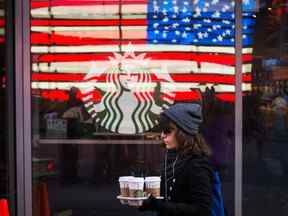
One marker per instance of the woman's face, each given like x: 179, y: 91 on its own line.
x: 168, y: 136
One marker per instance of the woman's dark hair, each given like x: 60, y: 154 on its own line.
x: 187, y: 144
x: 192, y: 144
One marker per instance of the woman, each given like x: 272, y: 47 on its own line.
x: 187, y: 176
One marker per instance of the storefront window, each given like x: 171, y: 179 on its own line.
x: 265, y: 115
x: 102, y: 71
x: 7, y: 146
x: 3, y: 145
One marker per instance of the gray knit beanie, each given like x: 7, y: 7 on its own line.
x: 187, y: 116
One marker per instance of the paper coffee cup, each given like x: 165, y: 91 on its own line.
x: 124, y: 185
x: 136, y: 187
x: 152, y: 185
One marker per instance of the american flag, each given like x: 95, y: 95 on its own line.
x: 194, y: 39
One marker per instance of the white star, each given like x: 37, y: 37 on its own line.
x: 200, y: 35
x: 205, y: 35
x: 187, y: 28
x: 176, y: 9
x: 154, y: 16
x: 166, y: 19
x: 232, y: 39
x: 233, y: 15
x: 156, y: 32
x: 214, y: 40
x: 177, y: 32
x: 174, y: 40
x: 244, y: 36
x: 184, y: 10
x: 245, y: 27
x: 198, y: 10
x: 214, y: 2
x: 186, y: 3
x: 228, y: 31
x: 196, y: 26
x: 155, y: 41
x: 156, y: 9
x: 174, y: 2
x: 207, y: 20
x: 174, y: 16
x: 220, y: 38
x: 205, y: 9
x: 209, y: 29
x: 207, y: 4
x: 130, y: 50
x: 226, y: 7
x: 155, y: 25
x: 164, y: 11
x: 165, y: 3
x: 184, y: 35
x: 226, y: 22
x: 155, y: 2
x: 214, y: 27
x: 166, y: 27
x: 175, y: 25
x: 233, y: 3
x: 233, y: 26
x: 186, y: 20
x: 164, y: 35
x: 216, y: 14
x: 195, y: 40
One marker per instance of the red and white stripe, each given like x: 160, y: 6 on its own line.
x: 68, y: 35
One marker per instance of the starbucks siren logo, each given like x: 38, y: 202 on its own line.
x: 132, y: 93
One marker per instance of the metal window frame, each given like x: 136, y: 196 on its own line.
x: 23, y: 108
x: 238, y: 110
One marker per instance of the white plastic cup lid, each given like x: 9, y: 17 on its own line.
x: 137, y: 179
x: 153, y: 179
x: 125, y: 178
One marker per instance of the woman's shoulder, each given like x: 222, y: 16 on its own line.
x: 200, y: 162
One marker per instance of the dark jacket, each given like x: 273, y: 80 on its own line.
x: 189, y: 192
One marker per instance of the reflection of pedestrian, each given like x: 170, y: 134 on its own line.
x: 279, y: 106
x: 69, y: 152
x: 187, y: 175
x: 219, y: 135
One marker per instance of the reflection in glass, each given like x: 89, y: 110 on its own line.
x: 265, y: 115
x: 102, y: 72
x: 4, y: 146
x: 7, y: 144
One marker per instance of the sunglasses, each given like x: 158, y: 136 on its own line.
x: 167, y: 130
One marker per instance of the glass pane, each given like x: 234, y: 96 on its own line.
x: 7, y: 160
x: 102, y: 71
x: 3, y: 146
x: 265, y: 115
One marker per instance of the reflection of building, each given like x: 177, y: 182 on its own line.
x: 271, y: 63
